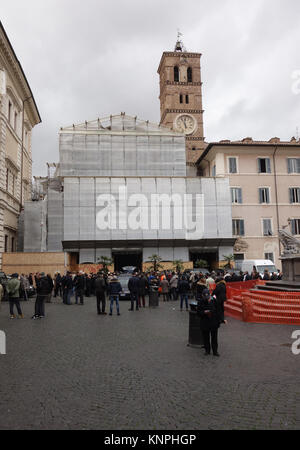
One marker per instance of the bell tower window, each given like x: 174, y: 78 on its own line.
x: 190, y: 75
x: 187, y: 100
x: 181, y: 98
x: 176, y: 73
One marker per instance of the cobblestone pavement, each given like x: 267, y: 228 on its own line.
x: 78, y: 370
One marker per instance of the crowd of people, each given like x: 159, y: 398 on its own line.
x: 209, y: 290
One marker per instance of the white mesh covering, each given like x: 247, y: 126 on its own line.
x: 121, y: 146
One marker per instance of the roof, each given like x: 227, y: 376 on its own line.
x: 118, y: 124
x: 21, y: 73
x: 249, y: 142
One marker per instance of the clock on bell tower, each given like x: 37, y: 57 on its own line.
x: 181, y: 97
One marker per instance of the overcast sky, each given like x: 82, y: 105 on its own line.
x: 92, y: 58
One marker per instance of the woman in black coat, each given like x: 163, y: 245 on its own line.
x: 210, y: 320
x: 220, y: 294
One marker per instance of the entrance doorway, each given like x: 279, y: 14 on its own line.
x: 211, y: 257
x: 124, y: 258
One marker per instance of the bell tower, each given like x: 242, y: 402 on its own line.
x: 181, y: 97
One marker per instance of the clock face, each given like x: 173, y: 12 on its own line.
x: 185, y: 124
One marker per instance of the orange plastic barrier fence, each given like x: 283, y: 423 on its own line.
x: 263, y: 306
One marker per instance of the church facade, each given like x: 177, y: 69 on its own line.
x: 121, y: 190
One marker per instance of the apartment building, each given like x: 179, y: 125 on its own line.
x: 264, y: 180
x: 18, y: 116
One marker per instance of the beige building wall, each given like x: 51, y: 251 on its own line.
x: 254, y: 244
x: 18, y: 116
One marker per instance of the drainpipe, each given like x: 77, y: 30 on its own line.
x: 22, y: 151
x: 276, y: 197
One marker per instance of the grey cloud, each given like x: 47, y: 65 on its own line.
x: 90, y: 59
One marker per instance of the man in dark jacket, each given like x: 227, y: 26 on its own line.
x: 210, y: 319
x: 43, y: 290
x: 79, y: 287
x: 134, y: 287
x: 67, y: 287
x: 183, y: 290
x: 221, y: 296
x: 100, y: 288
x: 143, y: 290
x: 114, y: 289
x: 57, y: 285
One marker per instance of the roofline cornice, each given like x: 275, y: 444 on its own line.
x: 17, y: 71
x: 247, y: 144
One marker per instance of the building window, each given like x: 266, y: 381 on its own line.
x: 194, y: 149
x: 294, y: 195
x: 295, y: 226
x: 176, y: 74
x: 238, y: 227
x: 267, y: 227
x: 264, y: 195
x: 190, y: 75
x: 12, y: 244
x: 264, y: 165
x: 269, y: 256
x: 239, y: 256
x: 214, y: 171
x: 181, y: 98
x: 16, y: 121
x: 9, y: 111
x: 187, y: 100
x: 236, y: 195
x: 6, y: 244
x: 293, y: 165
x: 232, y: 165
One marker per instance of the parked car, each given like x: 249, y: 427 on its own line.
x: 125, y: 294
x: 199, y: 270
x: 31, y: 291
x: 129, y: 269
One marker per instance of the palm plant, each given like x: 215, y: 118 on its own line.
x: 229, y: 261
x: 178, y: 265
x: 105, y: 261
x: 156, y: 260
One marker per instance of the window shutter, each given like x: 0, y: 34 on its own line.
x: 268, y: 165
x: 240, y: 195
x: 290, y: 166
x: 265, y: 227
x: 298, y: 195
x: 293, y: 225
x: 291, y: 195
x: 232, y: 165
x: 259, y: 165
x: 268, y: 195
x: 234, y: 228
x: 298, y: 165
x: 260, y: 195
x: 242, y: 228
